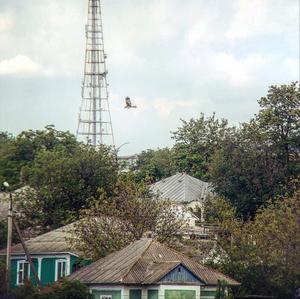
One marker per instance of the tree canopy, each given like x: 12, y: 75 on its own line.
x: 263, y: 253
x: 112, y: 223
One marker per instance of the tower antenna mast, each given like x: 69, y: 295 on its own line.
x: 94, y: 121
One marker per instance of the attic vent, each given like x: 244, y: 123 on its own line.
x: 179, y: 269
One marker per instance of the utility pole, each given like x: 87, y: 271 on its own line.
x: 10, y: 222
x: 94, y: 121
x: 37, y: 279
x: 9, y: 239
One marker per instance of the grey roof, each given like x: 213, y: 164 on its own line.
x: 52, y: 242
x: 144, y: 262
x: 181, y: 187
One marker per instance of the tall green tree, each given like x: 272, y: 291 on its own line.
x: 17, y: 153
x: 63, y: 183
x: 196, y: 141
x: 263, y: 253
x: 261, y: 161
x: 154, y: 165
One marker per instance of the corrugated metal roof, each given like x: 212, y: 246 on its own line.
x: 181, y: 187
x: 143, y: 262
x: 52, y: 242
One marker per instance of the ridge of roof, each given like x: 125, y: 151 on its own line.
x: 181, y: 187
x: 173, y: 265
x: 181, y: 262
x: 124, y: 277
x: 144, y: 262
x: 209, y: 268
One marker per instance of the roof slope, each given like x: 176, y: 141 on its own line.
x: 143, y: 262
x: 181, y: 187
x: 51, y: 242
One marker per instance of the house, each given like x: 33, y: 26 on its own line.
x: 184, y: 190
x: 52, y: 257
x: 147, y: 269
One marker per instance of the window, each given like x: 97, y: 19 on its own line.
x: 105, y: 296
x: 22, y: 272
x: 76, y: 266
x: 61, y: 269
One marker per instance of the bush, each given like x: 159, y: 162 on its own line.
x: 62, y: 290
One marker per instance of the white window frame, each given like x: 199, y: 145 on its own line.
x: 105, y: 297
x: 19, y: 263
x: 56, y: 268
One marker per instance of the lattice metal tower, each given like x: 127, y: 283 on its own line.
x: 94, y: 117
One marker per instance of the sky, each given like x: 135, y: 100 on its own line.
x: 174, y: 58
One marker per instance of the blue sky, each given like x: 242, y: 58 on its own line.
x: 175, y: 58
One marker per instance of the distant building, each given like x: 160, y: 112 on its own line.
x: 184, y: 190
x: 51, y: 254
x: 147, y: 269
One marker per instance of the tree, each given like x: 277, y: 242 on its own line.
x: 264, y: 253
x: 61, y: 290
x: 196, y: 142
x: 19, y: 152
x: 222, y: 291
x: 63, y: 183
x: 279, y: 120
x: 112, y: 223
x: 154, y: 165
x: 261, y: 160
x: 2, y: 276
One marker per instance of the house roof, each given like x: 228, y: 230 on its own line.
x: 181, y: 187
x: 52, y: 242
x: 144, y: 262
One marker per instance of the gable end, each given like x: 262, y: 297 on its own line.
x: 180, y: 274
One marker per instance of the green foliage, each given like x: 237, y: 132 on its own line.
x: 63, y: 183
x: 19, y: 152
x: 261, y: 161
x: 196, y: 142
x: 222, y: 291
x: 154, y: 165
x: 62, y: 290
x: 218, y: 210
x: 264, y: 253
x: 3, y: 235
x: 2, y: 275
x: 70, y: 290
x: 112, y: 223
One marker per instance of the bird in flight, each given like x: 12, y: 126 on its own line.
x: 128, y: 104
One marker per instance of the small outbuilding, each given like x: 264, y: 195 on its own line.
x: 147, y: 269
x: 52, y: 256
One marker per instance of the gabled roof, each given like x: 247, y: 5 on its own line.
x: 52, y: 242
x: 181, y: 187
x: 144, y: 262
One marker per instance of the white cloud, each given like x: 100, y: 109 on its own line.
x: 164, y: 107
x: 260, y: 17
x: 239, y: 72
x: 20, y: 65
